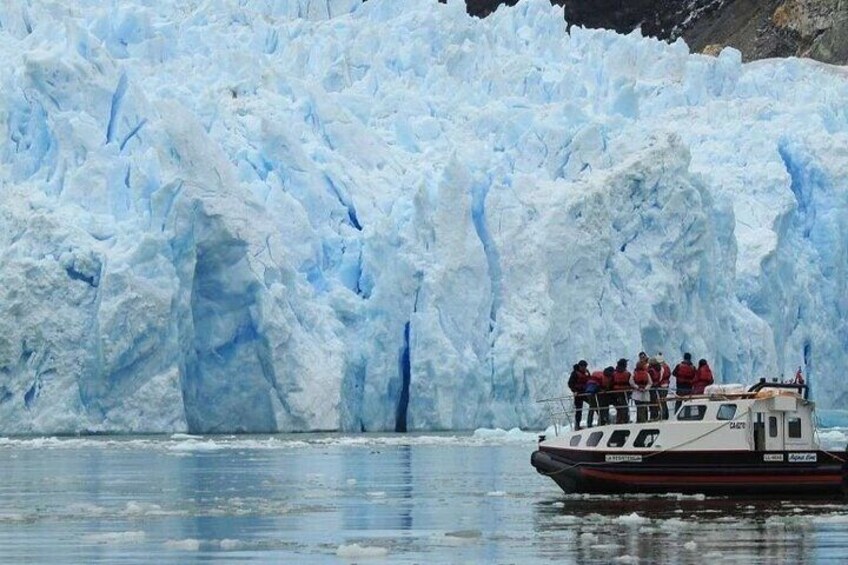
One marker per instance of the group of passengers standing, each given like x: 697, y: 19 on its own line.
x: 647, y: 386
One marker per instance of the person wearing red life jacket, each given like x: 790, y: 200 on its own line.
x: 621, y: 386
x: 685, y: 374
x: 703, y: 377
x: 799, y: 377
x: 661, y: 386
x: 594, y: 387
x: 640, y: 383
x: 577, y: 385
x: 655, y: 371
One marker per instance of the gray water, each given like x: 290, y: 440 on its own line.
x: 367, y: 499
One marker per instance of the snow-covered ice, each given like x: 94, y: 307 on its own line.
x: 290, y: 215
x: 356, y: 551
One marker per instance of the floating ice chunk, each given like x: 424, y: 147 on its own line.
x: 697, y: 496
x: 182, y: 436
x: 514, y: 435
x: 114, y: 538
x: 673, y: 524
x: 195, y: 445
x: 85, y: 509
x: 134, y: 508
x: 230, y: 544
x: 356, y: 551
x: 632, y: 519
x: 690, y: 546
x: 188, y: 544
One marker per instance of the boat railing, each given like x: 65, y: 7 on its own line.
x: 798, y: 387
x: 607, y: 407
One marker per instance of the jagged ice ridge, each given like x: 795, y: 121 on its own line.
x: 294, y: 215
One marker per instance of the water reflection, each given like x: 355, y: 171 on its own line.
x: 677, y: 528
x: 382, y: 479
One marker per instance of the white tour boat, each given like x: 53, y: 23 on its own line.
x: 728, y: 440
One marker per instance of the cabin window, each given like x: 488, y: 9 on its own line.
x: 646, y: 438
x: 594, y: 439
x: 793, y: 427
x: 692, y: 412
x: 575, y: 440
x: 726, y: 412
x: 772, y: 426
x: 618, y: 438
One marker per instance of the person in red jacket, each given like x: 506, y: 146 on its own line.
x: 606, y: 397
x: 594, y: 387
x: 577, y: 384
x: 703, y: 377
x: 685, y: 373
x: 620, y: 386
x: 640, y: 382
x: 662, y: 388
x: 655, y: 372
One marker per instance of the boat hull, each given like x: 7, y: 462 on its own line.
x: 729, y: 472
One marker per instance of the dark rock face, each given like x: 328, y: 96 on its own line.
x: 758, y: 28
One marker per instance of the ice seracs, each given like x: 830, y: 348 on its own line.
x: 300, y: 215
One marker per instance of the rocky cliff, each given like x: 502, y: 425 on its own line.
x: 758, y: 28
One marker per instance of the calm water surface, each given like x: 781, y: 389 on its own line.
x: 368, y: 499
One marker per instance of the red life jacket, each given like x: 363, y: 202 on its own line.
x: 655, y: 371
x: 621, y: 380
x: 597, y: 377
x: 666, y: 375
x: 685, y: 374
x: 607, y: 382
x: 642, y: 378
x: 703, y: 378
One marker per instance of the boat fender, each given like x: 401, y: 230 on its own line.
x: 543, y: 462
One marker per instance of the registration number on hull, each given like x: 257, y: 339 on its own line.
x: 803, y: 457
x: 623, y: 458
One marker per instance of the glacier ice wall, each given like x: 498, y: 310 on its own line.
x: 327, y: 215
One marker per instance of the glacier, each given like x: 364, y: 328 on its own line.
x: 292, y: 215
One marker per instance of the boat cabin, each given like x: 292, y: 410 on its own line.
x: 725, y: 417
